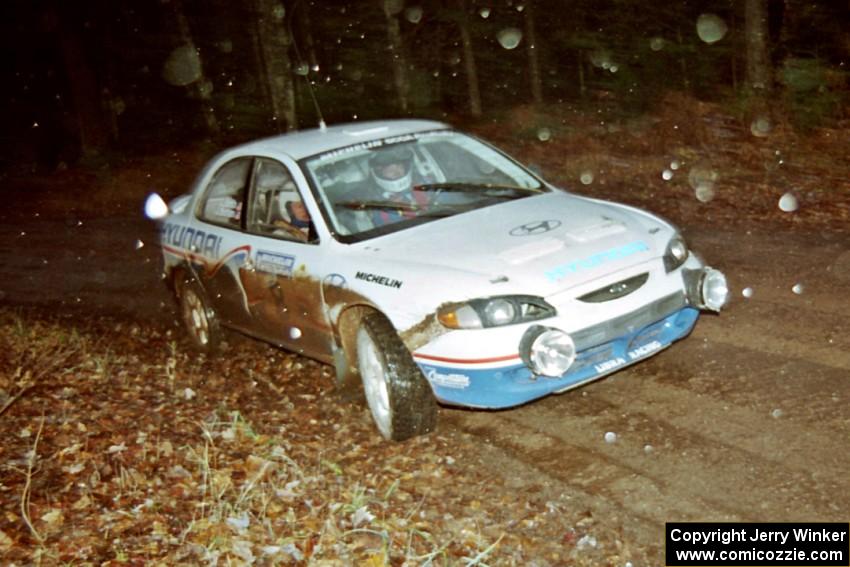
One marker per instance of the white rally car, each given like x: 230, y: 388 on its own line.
x: 427, y: 265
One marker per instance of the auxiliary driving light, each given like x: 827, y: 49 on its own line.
x: 548, y: 352
x: 715, y: 290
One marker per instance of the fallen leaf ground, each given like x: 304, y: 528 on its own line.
x: 123, y: 446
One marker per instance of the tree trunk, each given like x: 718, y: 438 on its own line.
x: 85, y: 91
x: 202, y: 87
x: 469, y: 63
x: 533, y: 60
x: 582, y: 87
x: 759, y: 75
x: 683, y: 60
x: 399, y: 60
x: 274, y: 46
x: 306, y: 28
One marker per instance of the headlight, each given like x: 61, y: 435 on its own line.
x: 715, y: 290
x: 494, y: 312
x: 500, y: 312
x: 706, y: 288
x: 548, y: 352
x: 676, y: 253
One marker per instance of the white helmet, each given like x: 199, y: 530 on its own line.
x: 392, y: 156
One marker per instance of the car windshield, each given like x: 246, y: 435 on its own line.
x: 387, y: 185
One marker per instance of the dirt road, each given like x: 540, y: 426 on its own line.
x: 746, y: 420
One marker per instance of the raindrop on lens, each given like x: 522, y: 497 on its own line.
x: 544, y: 134
x: 586, y: 177
x: 600, y: 58
x: 667, y: 175
x: 777, y: 413
x: 788, y: 203
x: 509, y: 38
x: 798, y: 288
x: 674, y: 165
x: 610, y: 437
x: 295, y: 333
x: 711, y: 28
x: 748, y: 292
x: 656, y: 43
x: 704, y: 193
x: 302, y: 69
x: 183, y: 66
x: 702, y: 178
x: 413, y: 14
x: 760, y: 127
x: 139, y: 244
x: 484, y: 13
x: 393, y: 7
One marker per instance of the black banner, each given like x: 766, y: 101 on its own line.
x: 763, y: 545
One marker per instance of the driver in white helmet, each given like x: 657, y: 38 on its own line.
x: 392, y: 171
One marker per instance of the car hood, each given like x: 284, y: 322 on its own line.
x: 540, y: 244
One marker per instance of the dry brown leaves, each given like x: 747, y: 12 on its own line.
x: 152, y: 454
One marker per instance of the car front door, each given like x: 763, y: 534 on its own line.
x: 282, y: 290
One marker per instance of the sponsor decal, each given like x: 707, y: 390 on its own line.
x: 644, y: 350
x: 372, y: 144
x: 279, y: 264
x: 634, y: 354
x: 381, y: 280
x: 535, y: 227
x: 456, y: 381
x: 560, y: 272
x: 609, y: 365
x: 336, y: 280
x: 196, y: 241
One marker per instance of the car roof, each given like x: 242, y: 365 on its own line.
x: 304, y: 143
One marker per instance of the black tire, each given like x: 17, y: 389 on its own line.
x: 399, y: 396
x: 198, y: 316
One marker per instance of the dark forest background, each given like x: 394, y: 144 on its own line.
x: 91, y: 78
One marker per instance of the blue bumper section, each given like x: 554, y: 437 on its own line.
x: 513, y: 385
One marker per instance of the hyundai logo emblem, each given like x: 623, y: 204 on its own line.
x: 536, y: 227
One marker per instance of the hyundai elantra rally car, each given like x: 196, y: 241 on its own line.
x: 428, y: 266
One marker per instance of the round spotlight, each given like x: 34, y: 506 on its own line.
x: 549, y: 352
x: 715, y: 290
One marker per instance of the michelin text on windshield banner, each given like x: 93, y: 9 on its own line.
x: 809, y: 544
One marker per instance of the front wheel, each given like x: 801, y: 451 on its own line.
x: 198, y: 317
x: 399, y: 396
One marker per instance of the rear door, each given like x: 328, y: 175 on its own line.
x: 220, y: 215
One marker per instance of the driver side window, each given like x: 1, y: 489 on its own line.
x: 276, y: 208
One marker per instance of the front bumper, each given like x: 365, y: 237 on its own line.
x: 514, y: 383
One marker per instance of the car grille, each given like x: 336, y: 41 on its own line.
x: 630, y: 322
x: 615, y: 290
